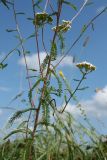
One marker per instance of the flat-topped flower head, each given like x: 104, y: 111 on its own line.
x: 88, y: 67
x: 64, y: 27
x: 42, y: 18
x: 67, y: 22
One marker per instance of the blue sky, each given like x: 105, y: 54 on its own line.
x: 12, y: 78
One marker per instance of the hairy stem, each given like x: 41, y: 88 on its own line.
x: 23, y: 53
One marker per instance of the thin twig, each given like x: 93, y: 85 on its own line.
x: 78, y: 13
x: 23, y: 53
x: 22, y: 48
x: 36, y: 37
x: 43, y: 40
x: 51, y: 7
x: 46, y: 4
x: 10, y: 52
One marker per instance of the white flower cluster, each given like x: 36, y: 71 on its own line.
x: 64, y: 27
x: 42, y: 18
x: 86, y: 65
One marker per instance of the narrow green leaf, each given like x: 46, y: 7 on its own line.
x: 19, y: 52
x: 89, y: 3
x: 65, y: 98
x: 34, y: 86
x: 53, y: 14
x: 84, y: 28
x: 92, y: 26
x: 21, y: 13
x: 31, y: 36
x: 71, y: 5
x: 76, y: 80
x: 29, y: 18
x: 11, y: 30
x: 32, y: 69
x: 16, y: 97
x: 83, y: 88
x: 27, y: 52
x: 37, y: 3
x: 2, y: 66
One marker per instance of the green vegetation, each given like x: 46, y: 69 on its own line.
x: 47, y: 131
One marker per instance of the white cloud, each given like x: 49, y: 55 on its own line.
x: 100, y: 9
x: 67, y: 61
x: 0, y: 111
x: 4, y: 89
x: 32, y: 60
x: 73, y: 109
x: 96, y: 106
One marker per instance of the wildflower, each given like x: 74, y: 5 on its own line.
x: 42, y: 18
x: 64, y: 27
x: 61, y: 74
x: 86, y: 66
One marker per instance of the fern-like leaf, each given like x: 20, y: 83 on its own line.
x: 53, y: 51
x: 16, y: 131
x: 34, y: 86
x: 59, y: 90
x: 18, y: 114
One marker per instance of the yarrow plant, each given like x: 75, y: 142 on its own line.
x: 47, y: 130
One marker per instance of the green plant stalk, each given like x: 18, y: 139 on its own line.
x: 45, y: 81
